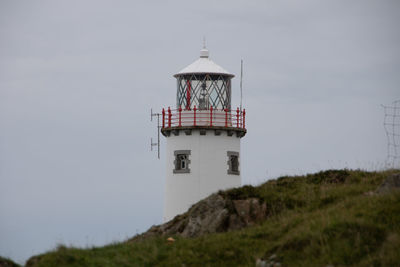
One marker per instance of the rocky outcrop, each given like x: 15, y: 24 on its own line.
x: 216, y: 213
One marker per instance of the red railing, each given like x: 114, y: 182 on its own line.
x: 211, y: 117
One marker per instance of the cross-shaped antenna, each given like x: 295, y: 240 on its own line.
x: 158, y: 132
x: 152, y: 144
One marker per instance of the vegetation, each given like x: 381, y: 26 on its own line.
x: 5, y: 262
x: 331, y: 217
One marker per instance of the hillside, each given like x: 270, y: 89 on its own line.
x: 331, y: 218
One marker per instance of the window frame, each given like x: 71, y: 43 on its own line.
x: 231, y: 155
x: 177, y: 154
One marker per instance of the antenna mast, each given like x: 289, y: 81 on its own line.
x: 158, y: 133
x: 241, y: 83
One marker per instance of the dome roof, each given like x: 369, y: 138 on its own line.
x: 204, y: 65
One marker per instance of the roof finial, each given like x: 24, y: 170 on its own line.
x: 204, y: 51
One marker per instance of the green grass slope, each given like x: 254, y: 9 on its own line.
x: 6, y: 262
x: 319, y: 219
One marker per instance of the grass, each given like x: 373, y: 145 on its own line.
x: 6, y: 262
x: 314, y: 220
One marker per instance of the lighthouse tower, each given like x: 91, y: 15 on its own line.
x: 202, y: 135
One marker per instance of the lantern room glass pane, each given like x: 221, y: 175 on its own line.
x: 204, y: 91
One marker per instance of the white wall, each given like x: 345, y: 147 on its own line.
x: 208, y: 169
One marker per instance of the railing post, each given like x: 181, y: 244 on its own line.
x: 226, y: 117
x: 180, y: 116
x: 163, y: 118
x: 188, y: 90
x: 194, y: 116
x: 211, y: 109
x: 244, y: 118
x: 237, y: 117
x: 169, y: 117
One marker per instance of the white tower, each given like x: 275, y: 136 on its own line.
x: 203, y: 136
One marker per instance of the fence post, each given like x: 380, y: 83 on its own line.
x: 237, y: 117
x: 169, y: 117
x: 211, y: 109
x: 244, y: 118
x: 163, y: 118
x: 180, y: 116
x: 194, y: 115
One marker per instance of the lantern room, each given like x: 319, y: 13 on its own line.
x: 203, y: 84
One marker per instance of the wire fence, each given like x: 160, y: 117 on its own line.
x: 391, y: 123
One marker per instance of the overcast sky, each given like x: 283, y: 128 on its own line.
x: 78, y: 79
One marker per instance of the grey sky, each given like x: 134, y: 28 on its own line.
x: 78, y: 79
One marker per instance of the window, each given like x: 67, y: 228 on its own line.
x: 233, y: 162
x: 181, y: 161
x: 203, y: 91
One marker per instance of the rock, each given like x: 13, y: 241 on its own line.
x: 250, y: 210
x: 216, y: 213
x: 390, y: 184
x: 369, y: 193
x: 208, y: 216
x: 271, y: 262
x: 261, y: 263
x: 235, y: 222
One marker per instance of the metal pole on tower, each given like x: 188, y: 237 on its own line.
x: 241, y: 83
x: 158, y: 131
